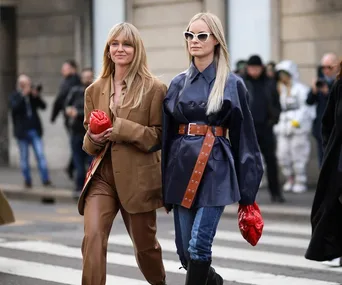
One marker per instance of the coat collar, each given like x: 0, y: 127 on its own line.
x: 209, y: 73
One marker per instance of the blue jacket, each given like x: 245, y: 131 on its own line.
x: 234, y: 169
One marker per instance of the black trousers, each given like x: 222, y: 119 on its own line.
x: 267, y: 143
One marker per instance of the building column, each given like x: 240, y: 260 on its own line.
x: 8, y: 59
x: 106, y: 13
x: 275, y: 26
x: 249, y: 29
x: 217, y: 7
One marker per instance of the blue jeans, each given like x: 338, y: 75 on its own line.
x: 195, y: 231
x: 81, y: 160
x: 32, y: 138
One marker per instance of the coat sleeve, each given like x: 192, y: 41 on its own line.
x: 312, y: 98
x: 146, y: 138
x: 17, y: 103
x: 275, y: 104
x: 165, y: 151
x: 38, y: 102
x: 328, y: 119
x: 89, y: 145
x: 59, y: 102
x: 245, y: 148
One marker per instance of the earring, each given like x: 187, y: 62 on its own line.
x: 108, y: 54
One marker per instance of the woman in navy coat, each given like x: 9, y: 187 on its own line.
x: 210, y: 155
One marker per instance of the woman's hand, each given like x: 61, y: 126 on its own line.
x: 100, y: 138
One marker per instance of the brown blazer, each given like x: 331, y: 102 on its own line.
x: 136, y: 163
x: 6, y: 213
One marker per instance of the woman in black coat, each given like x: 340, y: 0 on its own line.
x: 326, y: 216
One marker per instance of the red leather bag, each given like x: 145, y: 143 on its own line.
x: 251, y: 223
x: 99, y: 121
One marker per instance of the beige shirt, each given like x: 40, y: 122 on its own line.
x: 113, y: 106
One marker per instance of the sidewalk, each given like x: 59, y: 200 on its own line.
x: 297, y: 206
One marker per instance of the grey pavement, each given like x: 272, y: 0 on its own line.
x: 43, y: 247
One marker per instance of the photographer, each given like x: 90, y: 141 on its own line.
x: 24, y: 104
x: 318, y: 95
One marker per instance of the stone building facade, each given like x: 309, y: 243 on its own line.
x: 38, y: 35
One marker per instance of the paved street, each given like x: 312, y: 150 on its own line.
x: 43, y: 247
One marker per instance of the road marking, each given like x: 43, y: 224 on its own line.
x: 240, y: 254
x: 52, y: 273
x: 66, y: 211
x: 51, y: 218
x: 264, y: 240
x: 278, y: 209
x: 234, y: 275
x: 20, y: 223
x: 288, y: 228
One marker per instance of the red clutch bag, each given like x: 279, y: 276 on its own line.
x: 251, y: 223
x: 99, y: 122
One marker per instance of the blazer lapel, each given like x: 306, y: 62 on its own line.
x: 105, y: 97
x: 124, y: 112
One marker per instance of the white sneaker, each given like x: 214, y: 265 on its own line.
x: 299, y: 188
x: 337, y: 262
x: 288, y: 185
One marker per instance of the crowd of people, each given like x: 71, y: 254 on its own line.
x: 286, y: 113
x: 192, y: 148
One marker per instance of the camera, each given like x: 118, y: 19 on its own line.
x: 38, y: 87
x: 320, y: 83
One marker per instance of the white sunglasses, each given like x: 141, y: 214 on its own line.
x: 202, y: 37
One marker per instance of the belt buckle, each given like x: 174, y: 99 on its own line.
x: 189, y: 126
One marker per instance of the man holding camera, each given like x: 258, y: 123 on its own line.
x: 319, y: 94
x: 24, y: 103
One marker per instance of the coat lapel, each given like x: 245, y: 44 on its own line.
x: 124, y: 112
x: 105, y: 97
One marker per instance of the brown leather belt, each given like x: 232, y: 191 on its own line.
x: 210, y: 132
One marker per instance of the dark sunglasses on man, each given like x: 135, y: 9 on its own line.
x: 326, y: 67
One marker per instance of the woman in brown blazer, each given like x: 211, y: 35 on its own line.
x: 125, y: 175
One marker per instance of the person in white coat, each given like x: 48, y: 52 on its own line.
x: 293, y: 128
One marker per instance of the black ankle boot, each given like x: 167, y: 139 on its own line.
x: 214, y: 278
x: 197, y: 273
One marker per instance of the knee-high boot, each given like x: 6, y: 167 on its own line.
x: 197, y: 273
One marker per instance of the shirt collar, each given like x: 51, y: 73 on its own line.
x: 209, y: 73
x: 112, y: 88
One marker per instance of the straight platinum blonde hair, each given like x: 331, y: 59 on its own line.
x: 138, y: 78
x: 221, y: 57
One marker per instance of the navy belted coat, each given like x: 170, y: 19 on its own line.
x: 234, y: 169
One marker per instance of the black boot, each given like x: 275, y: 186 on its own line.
x: 214, y: 278
x: 197, y: 273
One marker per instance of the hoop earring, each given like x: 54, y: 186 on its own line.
x: 108, y: 54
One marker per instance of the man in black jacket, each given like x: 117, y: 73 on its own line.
x: 74, y: 110
x: 71, y: 79
x: 24, y: 103
x: 265, y: 108
x: 319, y: 95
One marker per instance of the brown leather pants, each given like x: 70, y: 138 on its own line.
x: 101, y: 206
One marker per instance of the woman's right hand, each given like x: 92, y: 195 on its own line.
x: 100, y: 138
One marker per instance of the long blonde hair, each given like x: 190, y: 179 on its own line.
x: 138, y: 78
x: 221, y: 57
